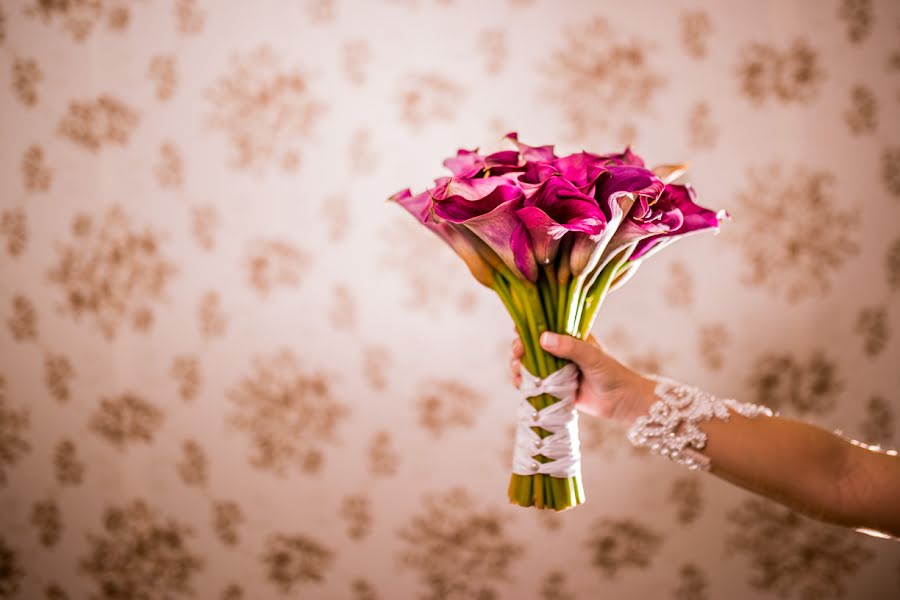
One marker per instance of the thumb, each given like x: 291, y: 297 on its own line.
x: 579, y: 352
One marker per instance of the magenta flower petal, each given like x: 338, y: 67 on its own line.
x: 487, y: 207
x: 632, y: 229
x: 497, y: 229
x: 567, y: 205
x: 581, y: 169
x: 418, y: 206
x: 505, y: 161
x: 643, y: 247
x: 645, y: 186
x: 467, y: 249
x: 469, y: 163
x: 470, y: 189
x: 694, y: 218
x: 621, y: 190
x: 554, y: 209
x: 472, y: 251
x: 545, y: 233
x: 535, y: 173
x: 587, y: 251
x: 465, y: 201
x: 523, y: 253
x: 531, y: 153
x: 624, y: 158
x: 466, y: 163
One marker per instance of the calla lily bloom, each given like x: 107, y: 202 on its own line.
x: 555, y: 209
x: 694, y: 219
x: 470, y: 250
x: 620, y: 190
x: 487, y: 207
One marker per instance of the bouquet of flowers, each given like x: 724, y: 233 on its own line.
x: 552, y: 236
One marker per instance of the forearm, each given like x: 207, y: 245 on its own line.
x: 814, y: 471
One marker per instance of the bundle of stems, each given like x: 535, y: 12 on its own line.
x: 560, y: 303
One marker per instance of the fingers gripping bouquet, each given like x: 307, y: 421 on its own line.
x: 552, y: 236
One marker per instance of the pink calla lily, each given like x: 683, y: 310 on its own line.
x: 694, y: 219
x: 458, y: 200
x: 487, y: 207
x: 556, y: 208
x: 620, y: 190
x: 503, y: 231
x: 456, y: 237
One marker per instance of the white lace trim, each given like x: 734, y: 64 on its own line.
x: 671, y: 429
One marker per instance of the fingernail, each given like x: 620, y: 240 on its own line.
x: 548, y: 340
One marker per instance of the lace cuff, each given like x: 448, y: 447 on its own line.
x: 670, y: 427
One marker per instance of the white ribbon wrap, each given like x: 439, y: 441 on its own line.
x: 560, y: 418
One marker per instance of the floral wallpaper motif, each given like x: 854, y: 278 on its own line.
x: 13, y: 425
x: 692, y: 584
x: 126, y: 419
x: 288, y: 413
x: 110, y: 271
x: 879, y: 425
x: 790, y: 74
x: 295, y: 560
x: 37, y: 175
x: 862, y: 114
x: 25, y: 79
x: 80, y: 17
x: 68, y: 467
x: 264, y: 108
x: 791, y: 222
x: 93, y: 124
x: 792, y: 555
x: 601, y: 66
x: 619, y: 544
x: 459, y: 547
x: 11, y: 571
x: 786, y: 383
x: 230, y: 370
x: 14, y: 228
x: 141, y: 553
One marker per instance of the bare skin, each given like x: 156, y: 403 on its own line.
x: 818, y: 473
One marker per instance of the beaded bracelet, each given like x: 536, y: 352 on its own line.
x: 670, y: 427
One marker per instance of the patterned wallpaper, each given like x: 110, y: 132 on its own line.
x: 231, y: 371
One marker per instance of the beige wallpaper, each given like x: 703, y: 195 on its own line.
x: 231, y: 371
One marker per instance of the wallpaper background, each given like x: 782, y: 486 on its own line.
x: 231, y: 371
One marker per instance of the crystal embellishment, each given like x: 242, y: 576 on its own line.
x: 671, y: 429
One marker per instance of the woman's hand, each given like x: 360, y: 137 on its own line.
x: 607, y: 388
x: 812, y: 470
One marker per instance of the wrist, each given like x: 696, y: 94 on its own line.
x: 642, y: 394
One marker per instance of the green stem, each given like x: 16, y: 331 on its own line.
x: 514, y: 309
x: 561, y: 306
x: 572, y: 303
x: 540, y: 324
x: 597, y: 293
x: 546, y: 297
x: 527, y: 295
x: 550, y: 272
